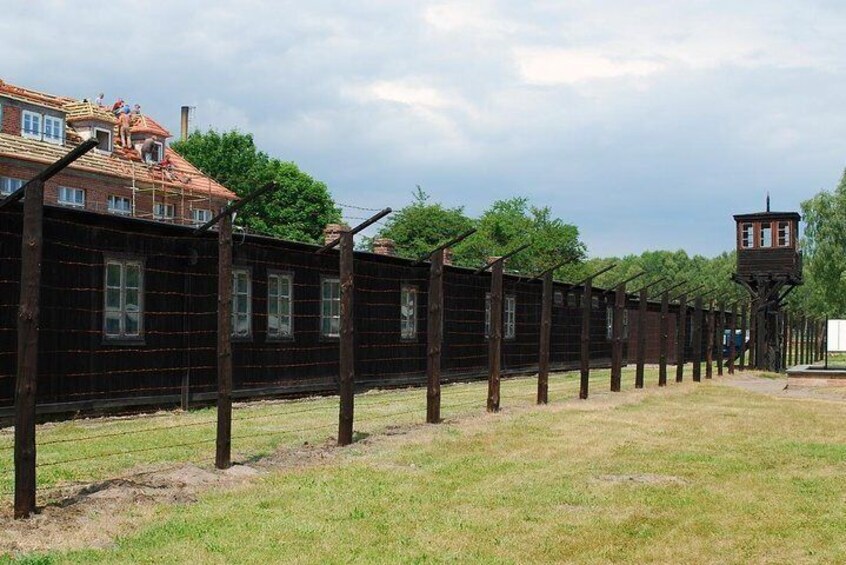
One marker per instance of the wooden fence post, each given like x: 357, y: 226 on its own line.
x: 682, y: 337
x: 696, y: 339
x: 27, y: 368
x: 785, y: 336
x: 709, y: 340
x: 347, y: 344
x: 719, y: 332
x: 664, y: 345
x: 434, y: 337
x: 743, y: 341
x: 617, y: 338
x: 495, y: 337
x: 224, y: 344
x: 641, y: 336
x: 545, y: 336
x: 732, y: 349
x: 801, y: 344
x: 587, y: 300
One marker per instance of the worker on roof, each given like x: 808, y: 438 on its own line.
x: 147, y: 150
x: 116, y: 107
x: 100, y: 99
x: 124, y: 123
x: 136, y: 110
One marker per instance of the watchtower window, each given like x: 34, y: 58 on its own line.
x: 766, y: 239
x: 746, y: 236
x: 784, y: 234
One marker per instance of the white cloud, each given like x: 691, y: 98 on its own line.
x: 547, y: 66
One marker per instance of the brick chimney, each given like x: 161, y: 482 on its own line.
x: 448, y: 256
x: 333, y: 231
x: 384, y: 246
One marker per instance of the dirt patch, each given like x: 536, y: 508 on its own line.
x: 784, y: 387
x: 641, y: 479
x: 93, y: 515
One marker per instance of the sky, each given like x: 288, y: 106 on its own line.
x: 646, y: 124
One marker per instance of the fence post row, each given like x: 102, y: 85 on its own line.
x: 665, y: 338
x: 346, y: 361
x: 732, y: 349
x: 696, y: 338
x: 584, y: 341
x: 617, y: 337
x: 546, y: 328
x: 545, y: 336
x: 435, y: 325
x: 434, y: 333
x: 681, y: 332
x: 495, y: 336
x: 223, y: 442
x: 26, y: 372
x: 642, y: 307
x: 709, y: 340
x: 719, y: 332
x: 346, y: 342
x: 743, y: 341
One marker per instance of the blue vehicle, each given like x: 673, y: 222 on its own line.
x: 738, y: 341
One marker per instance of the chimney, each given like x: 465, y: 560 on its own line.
x: 384, y: 246
x: 333, y: 231
x: 186, y: 112
x: 448, y: 256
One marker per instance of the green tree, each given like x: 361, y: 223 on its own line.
x: 298, y: 210
x: 824, y: 247
x: 510, y: 223
x: 422, y: 225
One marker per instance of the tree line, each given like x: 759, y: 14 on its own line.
x: 302, y: 207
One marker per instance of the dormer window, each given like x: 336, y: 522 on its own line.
x: 42, y: 127
x: 31, y: 126
x: 104, y: 140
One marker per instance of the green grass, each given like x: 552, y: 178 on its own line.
x: 750, y: 479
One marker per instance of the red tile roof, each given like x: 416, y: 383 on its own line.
x: 33, y: 96
x: 124, y: 163
x: 146, y: 124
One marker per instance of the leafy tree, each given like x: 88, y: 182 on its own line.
x: 299, y: 209
x: 510, y: 223
x: 421, y: 226
x: 824, y: 290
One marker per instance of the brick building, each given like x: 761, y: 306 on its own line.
x: 37, y: 129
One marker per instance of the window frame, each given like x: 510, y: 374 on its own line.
x: 414, y: 291
x: 30, y: 114
x: 123, y: 261
x: 761, y: 230
x: 747, y: 242
x: 60, y: 140
x: 323, y: 281
x: 7, y: 182
x: 279, y: 336
x: 787, y: 233
x: 116, y: 211
x: 110, y: 144
x: 67, y: 203
x: 197, y: 221
x: 164, y: 217
x: 237, y: 270
x: 509, y: 327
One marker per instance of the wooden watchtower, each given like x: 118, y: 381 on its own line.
x: 769, y: 266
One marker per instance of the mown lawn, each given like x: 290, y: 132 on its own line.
x: 688, y: 474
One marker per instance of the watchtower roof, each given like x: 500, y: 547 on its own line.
x: 763, y: 216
